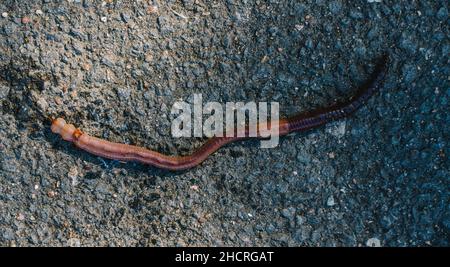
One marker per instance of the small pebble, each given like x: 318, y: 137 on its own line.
x: 152, y: 9
x: 194, y: 187
x: 42, y: 104
x: 125, y: 17
x: 442, y: 14
x: 20, y: 217
x: 74, y: 242
x: 337, y: 129
x: 373, y: 242
x: 299, y: 27
x: 288, y: 213
x: 26, y: 20
x: 4, y: 91
x: 335, y: 7
x: 51, y: 194
x: 5, y: 14
x: 73, y: 174
x: 104, y: 19
x: 39, y: 12
x: 330, y: 201
x: 299, y: 220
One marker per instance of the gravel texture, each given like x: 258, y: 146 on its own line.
x: 114, y: 69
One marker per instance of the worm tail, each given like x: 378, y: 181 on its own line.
x: 319, y: 117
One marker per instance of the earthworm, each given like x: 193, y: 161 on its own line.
x: 300, y: 122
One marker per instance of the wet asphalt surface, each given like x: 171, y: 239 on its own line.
x: 380, y: 177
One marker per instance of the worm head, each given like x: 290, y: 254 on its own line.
x: 59, y: 126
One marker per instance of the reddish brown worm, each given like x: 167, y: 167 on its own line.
x: 300, y: 122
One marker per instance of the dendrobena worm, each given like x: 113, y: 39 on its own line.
x: 300, y: 122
